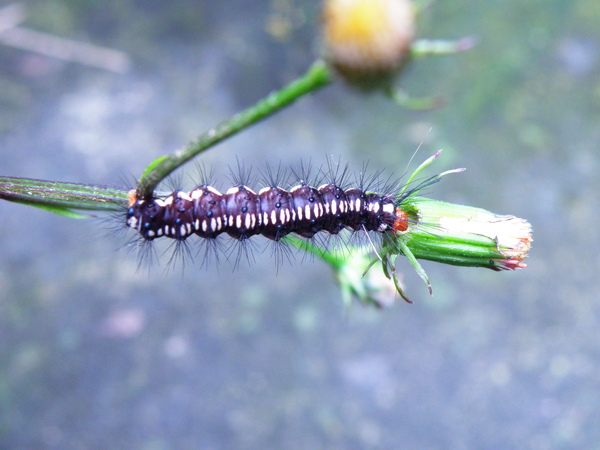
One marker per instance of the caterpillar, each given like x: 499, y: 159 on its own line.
x: 273, y: 212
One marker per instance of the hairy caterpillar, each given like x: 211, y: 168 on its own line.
x: 273, y: 212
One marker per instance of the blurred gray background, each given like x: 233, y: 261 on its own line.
x: 94, y: 353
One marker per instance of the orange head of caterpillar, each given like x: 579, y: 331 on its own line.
x: 132, y: 197
x: 401, y: 222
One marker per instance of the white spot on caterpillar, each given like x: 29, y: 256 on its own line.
x: 282, y: 216
x: 265, y: 218
x: 196, y: 194
x: 333, y: 207
x: 213, y: 224
x: 238, y: 222
x: 274, y: 217
x: 389, y: 208
x: 307, y: 212
x: 204, y: 226
x: 150, y: 233
x: 232, y: 191
x: 132, y: 222
x: 299, y: 212
x: 358, y: 204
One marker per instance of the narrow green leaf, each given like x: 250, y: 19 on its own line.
x: 61, y: 197
x: 62, y: 211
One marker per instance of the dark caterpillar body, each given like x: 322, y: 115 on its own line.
x: 273, y: 212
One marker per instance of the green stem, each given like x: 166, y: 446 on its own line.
x: 317, y: 76
x: 330, y: 257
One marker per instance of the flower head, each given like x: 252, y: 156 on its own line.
x: 368, y: 40
x: 466, y: 236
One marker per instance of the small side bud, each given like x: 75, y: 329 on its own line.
x: 351, y: 271
x: 357, y: 281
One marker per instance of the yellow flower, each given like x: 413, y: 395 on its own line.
x: 367, y: 39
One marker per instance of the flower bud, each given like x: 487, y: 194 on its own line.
x: 367, y: 41
x: 465, y: 236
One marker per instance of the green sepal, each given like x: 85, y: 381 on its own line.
x: 414, y: 263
